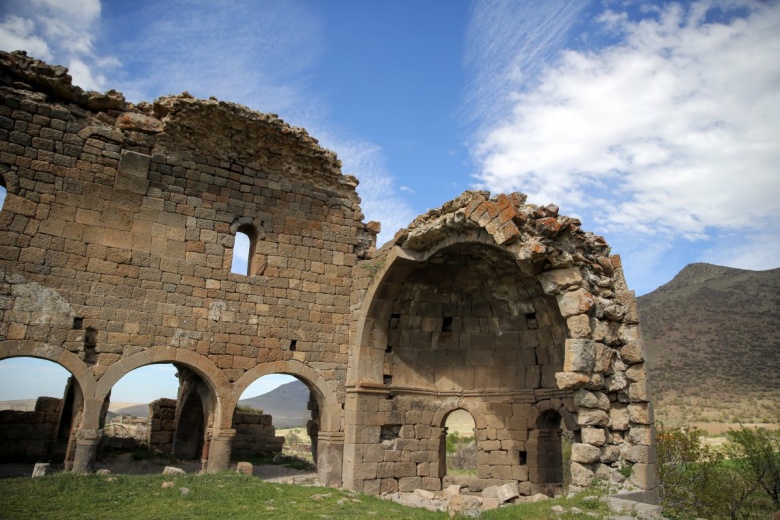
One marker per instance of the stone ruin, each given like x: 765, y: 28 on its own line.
x: 116, y: 242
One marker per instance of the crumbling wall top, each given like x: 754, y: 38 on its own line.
x: 183, y: 123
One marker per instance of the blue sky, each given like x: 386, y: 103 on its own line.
x: 655, y: 123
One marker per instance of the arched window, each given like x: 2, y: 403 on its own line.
x: 244, y: 251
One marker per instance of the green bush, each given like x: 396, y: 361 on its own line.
x: 694, y: 480
x: 756, y: 454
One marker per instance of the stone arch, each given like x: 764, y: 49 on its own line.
x: 201, y: 365
x: 500, y: 285
x: 440, y: 416
x: 330, y: 408
x: 66, y: 359
x: 69, y: 413
x: 329, y: 438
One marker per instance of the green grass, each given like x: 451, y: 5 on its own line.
x: 223, y: 495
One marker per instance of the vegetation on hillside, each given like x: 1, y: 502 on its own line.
x: 712, y: 338
x: 697, y: 481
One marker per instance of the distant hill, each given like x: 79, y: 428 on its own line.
x: 287, y: 404
x: 712, y: 337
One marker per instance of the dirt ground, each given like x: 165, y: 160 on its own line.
x: 124, y: 464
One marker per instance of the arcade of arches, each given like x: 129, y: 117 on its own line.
x: 116, y: 246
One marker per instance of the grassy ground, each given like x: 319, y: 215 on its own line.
x: 225, y: 495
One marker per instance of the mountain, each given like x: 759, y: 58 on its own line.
x: 287, y: 404
x: 712, y: 339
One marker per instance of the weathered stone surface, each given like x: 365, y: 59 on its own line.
x: 594, y: 436
x: 559, y: 280
x: 581, y: 475
x: 640, y: 413
x: 120, y: 226
x: 586, y: 399
x: 40, y: 469
x: 244, y: 468
x: 575, y: 302
x: 507, y: 492
x: 590, y: 417
x: 464, y: 505
x: 619, y: 417
x: 171, y: 470
x: 580, y: 355
x: 571, y: 380
x: 585, y: 453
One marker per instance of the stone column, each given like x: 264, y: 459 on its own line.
x: 219, y: 450
x: 330, y: 454
x: 87, y: 441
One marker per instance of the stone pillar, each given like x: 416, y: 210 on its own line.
x: 330, y: 454
x: 87, y: 441
x: 219, y: 450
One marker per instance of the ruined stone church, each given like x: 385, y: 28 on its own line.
x: 116, y: 242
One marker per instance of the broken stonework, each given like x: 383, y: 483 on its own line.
x: 119, y: 232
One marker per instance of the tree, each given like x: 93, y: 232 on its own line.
x: 757, y: 454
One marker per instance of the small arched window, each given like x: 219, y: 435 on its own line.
x: 244, y: 251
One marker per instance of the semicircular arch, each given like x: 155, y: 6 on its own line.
x: 66, y: 359
x: 440, y: 416
x: 330, y: 408
x: 201, y: 365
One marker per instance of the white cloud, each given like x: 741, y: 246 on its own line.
x: 60, y: 33
x: 17, y: 33
x: 509, y: 43
x: 379, y: 199
x: 675, y: 130
x: 407, y: 189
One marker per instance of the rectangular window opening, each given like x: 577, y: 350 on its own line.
x: 446, y: 324
x: 387, y: 379
x: 389, y: 349
x: 394, y: 319
x: 78, y: 323
x: 293, y: 344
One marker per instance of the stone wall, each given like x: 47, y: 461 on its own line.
x: 116, y: 244
x: 255, y: 435
x: 162, y: 426
x: 30, y: 436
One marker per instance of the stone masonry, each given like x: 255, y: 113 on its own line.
x: 116, y: 243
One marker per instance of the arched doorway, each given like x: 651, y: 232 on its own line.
x: 458, y: 449
x: 323, y: 412
x: 40, y: 404
x: 545, y: 443
x: 277, y: 419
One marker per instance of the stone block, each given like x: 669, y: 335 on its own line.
x: 558, y: 280
x: 585, y: 453
x: 640, y: 435
x: 507, y: 492
x: 409, y: 484
x: 575, y: 302
x: 581, y: 475
x: 580, y: 355
x: 588, y: 417
x: 644, y: 476
x: 244, y: 468
x: 593, y: 436
x: 640, y: 413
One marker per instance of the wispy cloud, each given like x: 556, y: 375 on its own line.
x: 59, y: 32
x: 672, y: 131
x: 380, y: 199
x: 509, y: 43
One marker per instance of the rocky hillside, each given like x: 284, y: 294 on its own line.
x: 287, y: 404
x: 712, y: 337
